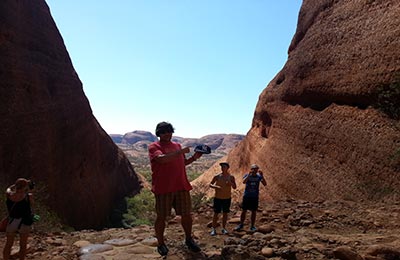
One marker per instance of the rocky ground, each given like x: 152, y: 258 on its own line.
x: 286, y: 230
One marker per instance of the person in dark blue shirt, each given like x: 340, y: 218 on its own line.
x: 251, y: 195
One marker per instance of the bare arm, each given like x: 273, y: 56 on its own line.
x: 167, y: 157
x: 10, y: 189
x: 31, y: 200
x: 212, y: 184
x: 194, y: 157
x: 263, y: 181
x: 246, y: 178
x: 233, y: 182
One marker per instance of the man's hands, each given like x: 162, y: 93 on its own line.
x: 215, y: 186
x: 197, y: 155
x: 193, y: 158
x: 263, y: 181
x: 185, y: 150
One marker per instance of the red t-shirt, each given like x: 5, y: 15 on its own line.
x: 170, y: 176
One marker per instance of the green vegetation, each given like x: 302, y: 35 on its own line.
x: 49, y: 220
x: 395, y: 159
x: 388, y: 98
x: 376, y: 190
x: 388, y: 102
x: 198, y: 195
x: 140, y: 209
x: 192, y: 175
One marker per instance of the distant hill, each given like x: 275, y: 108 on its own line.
x: 139, y: 140
x: 135, y: 144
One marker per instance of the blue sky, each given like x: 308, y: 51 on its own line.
x: 199, y: 65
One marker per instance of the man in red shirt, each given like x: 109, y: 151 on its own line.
x: 170, y: 184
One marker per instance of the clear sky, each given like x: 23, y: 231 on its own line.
x: 198, y: 64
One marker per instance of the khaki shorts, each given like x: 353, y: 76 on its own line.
x: 15, y: 225
x: 179, y: 200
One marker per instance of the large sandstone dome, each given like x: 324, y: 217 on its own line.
x: 47, y: 129
x: 318, y: 131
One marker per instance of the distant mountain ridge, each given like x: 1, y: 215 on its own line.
x: 135, y: 146
x: 140, y: 139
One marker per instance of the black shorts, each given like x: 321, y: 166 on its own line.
x: 222, y: 205
x: 250, y: 204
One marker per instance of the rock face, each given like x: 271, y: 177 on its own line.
x: 48, y: 132
x: 317, y: 131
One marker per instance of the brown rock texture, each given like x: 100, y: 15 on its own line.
x: 47, y: 129
x: 317, y: 132
x: 303, y: 230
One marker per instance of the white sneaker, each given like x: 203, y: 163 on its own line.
x: 224, y: 231
x: 213, y: 232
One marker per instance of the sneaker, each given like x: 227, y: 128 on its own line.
x: 253, y: 228
x: 224, y: 231
x: 213, y: 232
x: 192, y: 245
x: 238, y: 227
x: 162, y: 250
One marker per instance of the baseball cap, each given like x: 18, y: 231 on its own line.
x: 254, y: 166
x: 203, y: 148
x: 224, y: 163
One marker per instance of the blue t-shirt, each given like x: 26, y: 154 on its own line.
x: 252, y: 186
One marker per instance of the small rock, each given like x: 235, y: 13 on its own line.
x: 383, y: 250
x: 94, y: 248
x: 81, y: 243
x: 150, y: 241
x: 119, y: 242
x: 266, y: 229
x: 346, y: 253
x: 267, y: 252
x: 234, y: 220
x: 140, y: 249
x: 91, y: 257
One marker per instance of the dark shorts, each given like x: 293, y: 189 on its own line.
x: 222, y: 205
x: 15, y: 225
x: 250, y: 204
x: 179, y: 200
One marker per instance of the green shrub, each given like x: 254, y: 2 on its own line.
x: 192, y: 175
x: 199, y: 195
x: 145, y: 172
x: 395, y: 159
x: 140, y: 209
x: 388, y: 98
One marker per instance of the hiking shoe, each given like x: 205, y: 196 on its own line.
x: 162, y: 250
x: 238, y: 227
x: 224, y: 231
x: 192, y: 245
x: 213, y: 232
x: 253, y: 228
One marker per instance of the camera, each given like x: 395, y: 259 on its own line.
x: 31, y: 185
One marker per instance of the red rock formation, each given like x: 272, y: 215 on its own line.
x: 47, y: 129
x: 316, y: 131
